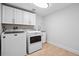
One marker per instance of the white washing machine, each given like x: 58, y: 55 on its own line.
x: 13, y: 43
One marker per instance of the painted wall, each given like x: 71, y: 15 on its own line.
x: 39, y: 22
x: 62, y: 27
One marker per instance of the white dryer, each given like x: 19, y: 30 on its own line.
x: 34, y: 40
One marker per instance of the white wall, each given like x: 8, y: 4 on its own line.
x: 39, y: 22
x: 63, y: 27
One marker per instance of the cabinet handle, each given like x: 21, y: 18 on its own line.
x: 15, y: 35
x: 4, y: 37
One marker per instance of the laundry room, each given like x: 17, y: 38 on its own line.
x: 39, y: 29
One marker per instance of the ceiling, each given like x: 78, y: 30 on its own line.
x: 41, y: 11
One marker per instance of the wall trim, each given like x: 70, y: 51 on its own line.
x: 64, y: 47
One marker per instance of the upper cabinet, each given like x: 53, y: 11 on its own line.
x: 29, y: 18
x: 7, y: 16
x: 26, y: 17
x: 16, y: 16
x: 32, y: 19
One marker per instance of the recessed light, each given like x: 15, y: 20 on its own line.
x: 42, y: 5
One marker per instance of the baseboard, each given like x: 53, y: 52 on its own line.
x: 64, y: 47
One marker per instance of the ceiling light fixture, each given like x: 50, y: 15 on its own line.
x: 42, y: 5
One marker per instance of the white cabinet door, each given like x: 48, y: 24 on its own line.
x: 7, y: 16
x: 18, y: 16
x: 25, y: 18
x: 32, y: 19
x: 43, y: 37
